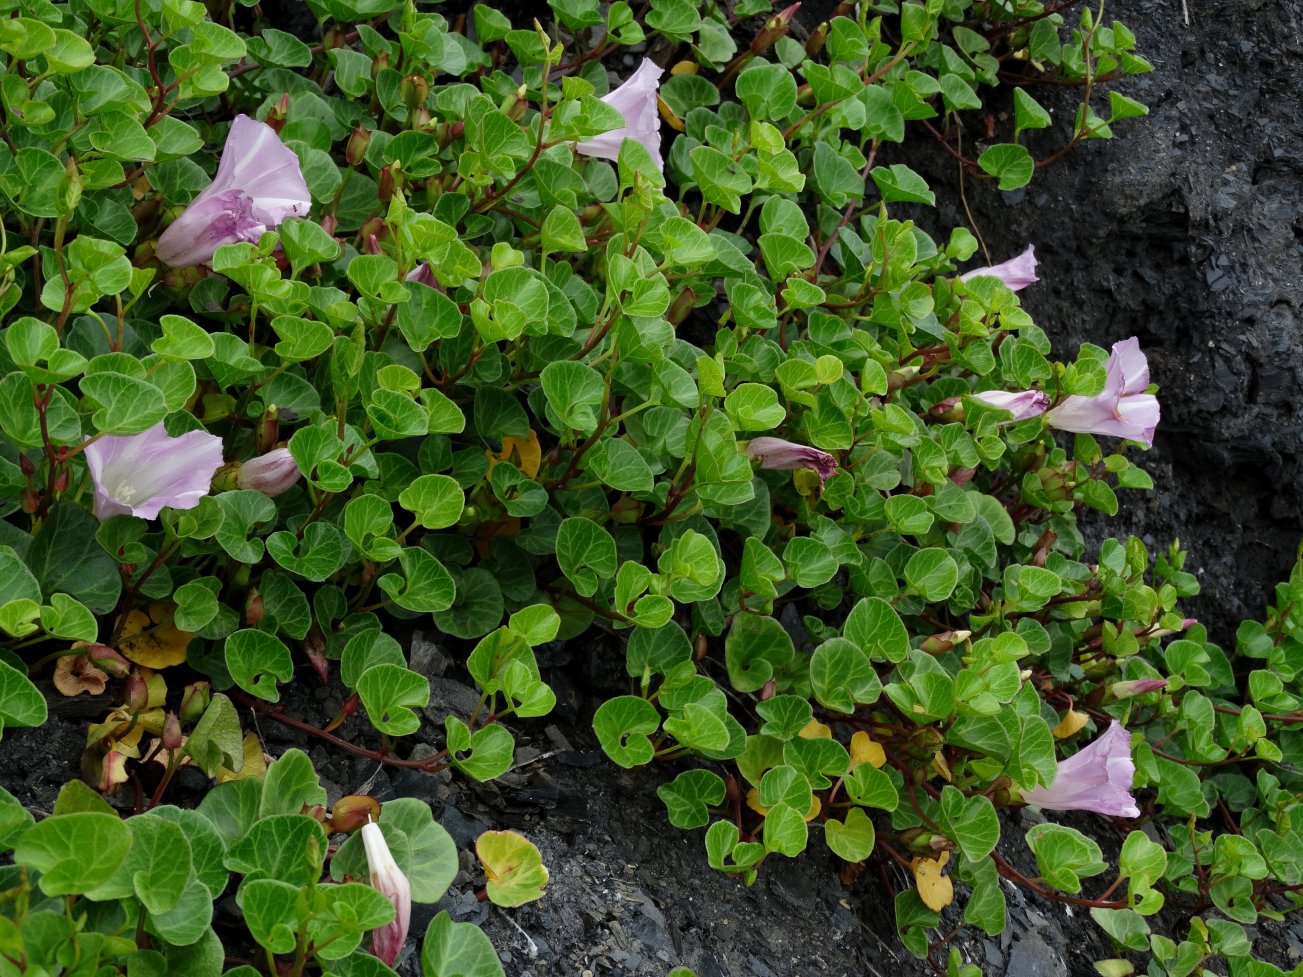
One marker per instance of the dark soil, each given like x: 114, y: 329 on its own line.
x: 1184, y: 231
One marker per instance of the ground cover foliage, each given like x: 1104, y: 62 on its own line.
x: 435, y: 342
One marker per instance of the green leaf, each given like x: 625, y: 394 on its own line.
x: 754, y: 407
x: 291, y: 786
x: 457, y: 950
x: 689, y: 795
x: 585, y: 553
x: 561, y: 232
x: 157, y: 868
x: 767, y: 90
x: 388, y: 693
x: 74, y: 853
x: 258, y: 661
x: 623, y: 726
x: 575, y: 392
x: 1028, y: 113
x: 423, y: 850
x: 971, y: 821
x: 900, y: 184
x: 216, y: 740
x: 836, y: 179
x: 65, y: 557
x: 288, y: 847
x: 852, y: 839
x: 720, y: 180
x: 756, y: 647
x: 932, y: 574
x: 483, y: 755
x: 1010, y: 163
x: 842, y: 677
x: 21, y: 703
x: 1064, y: 855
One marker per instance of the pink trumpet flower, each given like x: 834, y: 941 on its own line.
x: 388, y: 879
x: 1017, y: 272
x: 636, y: 101
x: 775, y: 453
x: 258, y: 184
x: 1098, y: 778
x: 139, y: 474
x: 1122, y: 409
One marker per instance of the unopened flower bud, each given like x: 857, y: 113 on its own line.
x: 254, y: 609
x: 1134, y: 687
x: 413, y: 90
x: 173, y: 738
x: 352, y: 811
x: 949, y: 409
x: 420, y: 117
x: 25, y: 466
x: 379, y: 63
x: 901, y: 378
x: 271, y: 474
x: 775, y: 27
x: 514, y: 105
x: 137, y: 692
x: 70, y: 187
x: 194, y: 701
x: 276, y: 117
x: 106, y: 659
x: 355, y: 151
x: 814, y: 44
x: 768, y: 690
x: 387, y: 182
x: 939, y: 644
x: 329, y: 224
x: 682, y: 305
x: 333, y: 38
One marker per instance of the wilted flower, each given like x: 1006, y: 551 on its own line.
x: 1135, y: 687
x: 271, y: 474
x: 388, y: 879
x: 139, y: 474
x: 258, y: 184
x: 1122, y: 409
x: 1022, y: 404
x: 1017, y: 272
x: 1096, y: 778
x: 636, y: 101
x: 775, y: 453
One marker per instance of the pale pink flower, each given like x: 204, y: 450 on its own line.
x: 258, y: 184
x: 1022, y: 404
x: 388, y: 879
x: 271, y: 474
x: 1098, y: 778
x: 636, y: 101
x: 776, y: 453
x: 139, y: 474
x: 1017, y: 272
x: 1122, y: 409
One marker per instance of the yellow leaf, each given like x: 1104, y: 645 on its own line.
x: 685, y: 68
x: 815, y: 807
x: 941, y: 767
x: 667, y: 113
x: 1070, y: 724
x: 753, y: 802
x: 807, y: 482
x: 815, y: 730
x: 255, y: 762
x: 865, y: 750
x: 936, y: 890
x: 152, y: 639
